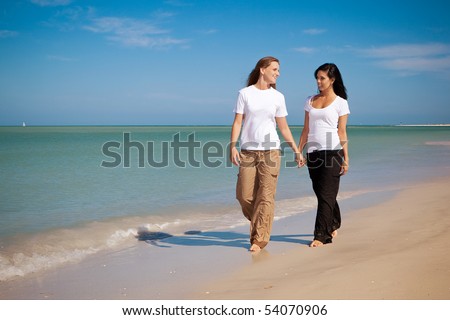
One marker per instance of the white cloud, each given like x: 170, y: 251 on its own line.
x: 133, y: 32
x: 123, y: 26
x: 306, y: 50
x: 73, y: 13
x: 419, y: 64
x: 208, y: 31
x: 8, y: 34
x: 408, y: 50
x: 51, y: 3
x: 69, y: 18
x: 410, y: 59
x: 314, y: 31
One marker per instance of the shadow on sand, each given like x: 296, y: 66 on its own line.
x: 212, y: 238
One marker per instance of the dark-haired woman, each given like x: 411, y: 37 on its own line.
x: 259, y: 109
x: 324, y: 137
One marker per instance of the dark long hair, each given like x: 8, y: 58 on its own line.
x: 333, y: 73
x: 262, y: 63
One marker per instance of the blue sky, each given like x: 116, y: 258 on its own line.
x: 68, y: 62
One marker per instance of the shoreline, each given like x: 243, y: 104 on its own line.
x: 198, y: 125
x: 377, y: 255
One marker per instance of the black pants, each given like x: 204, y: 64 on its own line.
x: 324, y: 170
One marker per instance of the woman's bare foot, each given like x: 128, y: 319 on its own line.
x: 316, y: 243
x: 334, y: 234
x: 255, y: 248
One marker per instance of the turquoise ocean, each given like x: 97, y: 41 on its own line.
x: 67, y: 193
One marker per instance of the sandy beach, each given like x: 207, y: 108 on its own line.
x: 396, y: 249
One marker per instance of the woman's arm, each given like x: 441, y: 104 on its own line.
x: 287, y: 135
x: 304, y: 134
x: 235, y: 132
x: 342, y: 132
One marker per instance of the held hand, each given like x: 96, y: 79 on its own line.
x: 235, y: 157
x: 344, y: 168
x: 301, y: 161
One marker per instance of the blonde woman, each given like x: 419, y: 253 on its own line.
x: 260, y: 108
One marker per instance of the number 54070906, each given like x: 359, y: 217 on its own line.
x: 293, y: 309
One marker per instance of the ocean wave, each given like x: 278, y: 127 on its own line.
x: 47, y: 251
x: 438, y: 143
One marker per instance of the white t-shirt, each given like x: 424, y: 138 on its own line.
x: 260, y: 107
x: 323, y: 125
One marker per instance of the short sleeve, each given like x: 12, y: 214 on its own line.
x: 281, y: 108
x: 240, y: 103
x: 307, y: 106
x: 343, y: 108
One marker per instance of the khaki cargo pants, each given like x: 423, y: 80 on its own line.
x: 255, y: 191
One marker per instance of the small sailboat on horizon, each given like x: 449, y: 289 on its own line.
x: 23, y: 124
